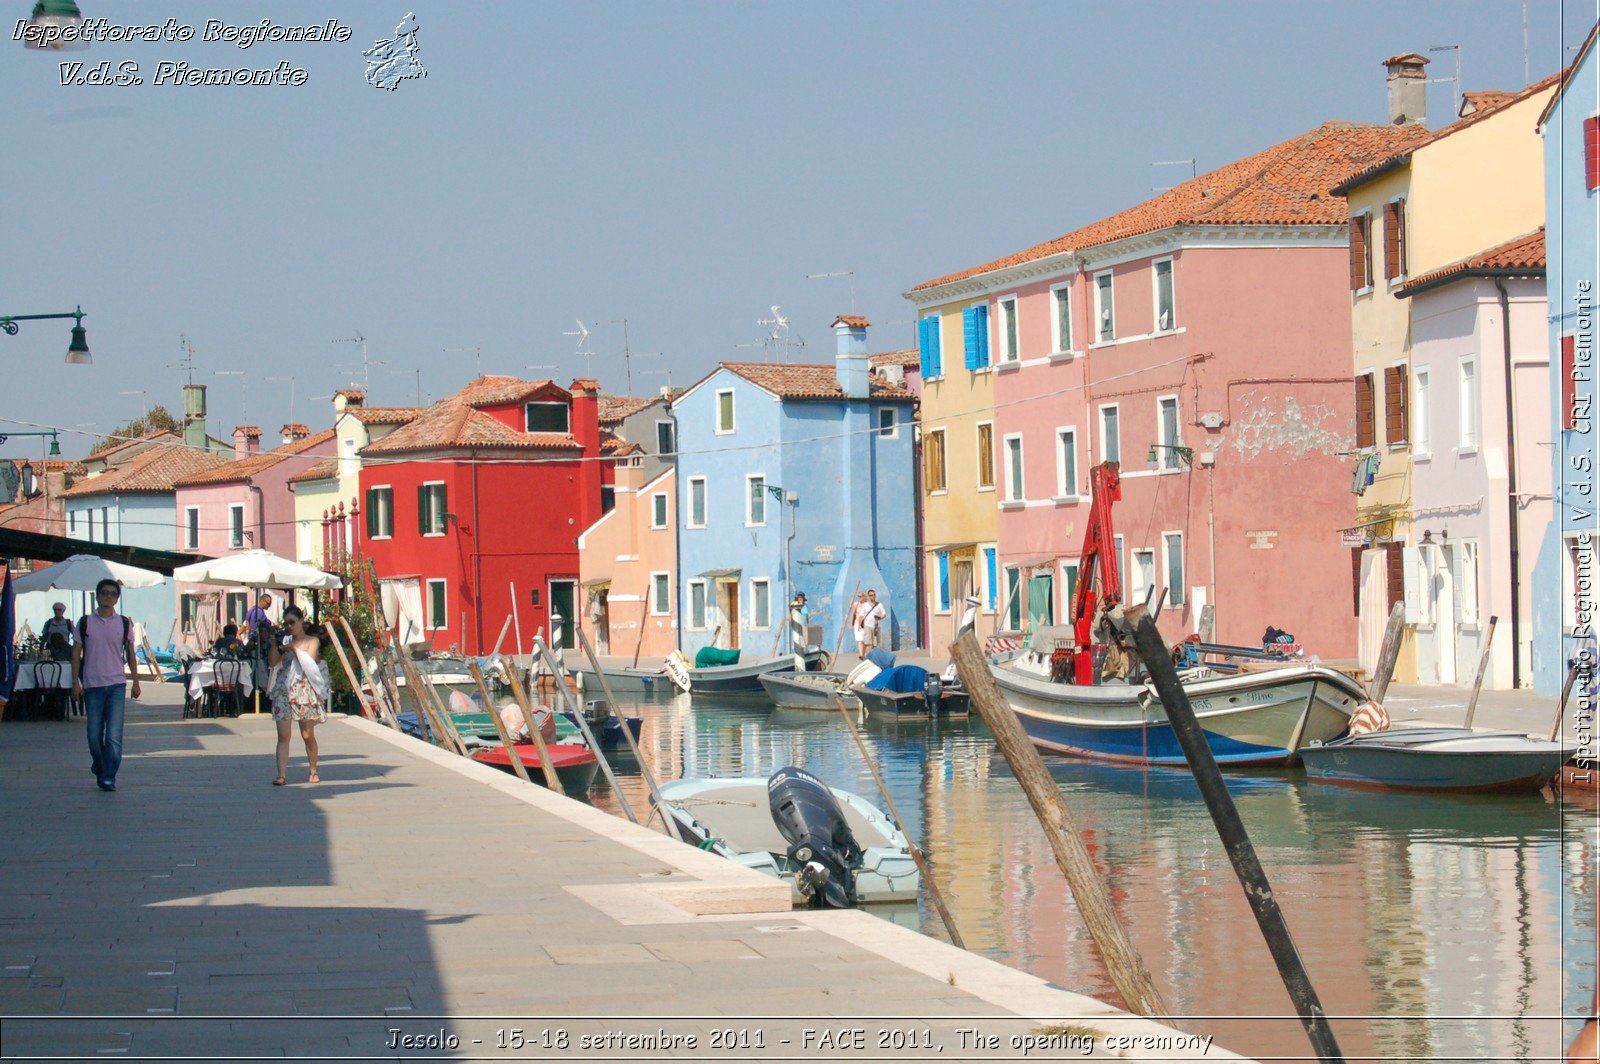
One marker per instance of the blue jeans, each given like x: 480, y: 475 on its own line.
x: 104, y: 707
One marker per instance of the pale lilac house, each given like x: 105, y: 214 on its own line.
x: 243, y: 505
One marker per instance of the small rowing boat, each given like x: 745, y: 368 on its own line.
x: 808, y: 690
x: 1435, y: 759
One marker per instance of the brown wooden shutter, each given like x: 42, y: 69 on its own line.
x: 1569, y: 386
x: 1365, y: 429
x: 1396, y: 572
x: 1355, y: 575
x: 1394, y: 404
x: 1358, y: 252
x: 1391, y: 242
x: 1400, y: 237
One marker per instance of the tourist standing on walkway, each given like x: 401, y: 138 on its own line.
x: 872, y: 621
x: 298, y: 689
x: 858, y: 616
x: 105, y: 646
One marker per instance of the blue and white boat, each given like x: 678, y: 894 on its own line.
x: 1250, y: 719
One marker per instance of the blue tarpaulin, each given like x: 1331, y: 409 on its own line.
x: 881, y: 658
x: 902, y: 679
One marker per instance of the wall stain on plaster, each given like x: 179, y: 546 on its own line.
x: 1289, y: 427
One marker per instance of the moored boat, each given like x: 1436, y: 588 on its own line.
x: 1435, y: 759
x: 808, y: 690
x: 575, y: 765
x: 910, y: 692
x: 626, y: 680
x: 742, y: 677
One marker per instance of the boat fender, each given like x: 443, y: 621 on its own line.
x: 861, y: 674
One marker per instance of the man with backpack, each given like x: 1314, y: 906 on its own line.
x: 105, y: 645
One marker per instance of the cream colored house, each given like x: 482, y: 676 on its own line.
x: 321, y: 488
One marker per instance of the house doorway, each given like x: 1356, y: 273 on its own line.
x: 599, y: 607
x: 563, y: 603
x: 728, y: 610
x: 960, y: 587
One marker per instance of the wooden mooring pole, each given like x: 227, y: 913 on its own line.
x: 1393, y: 632
x: 1137, y: 627
x: 518, y: 693
x: 500, y: 729
x: 627, y: 732
x: 1123, y: 963
x: 1561, y: 706
x: 543, y: 650
x: 1483, y: 667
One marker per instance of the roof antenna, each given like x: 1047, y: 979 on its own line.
x: 185, y: 363
x: 779, y: 328
x: 478, y: 351
x: 1456, y: 80
x: 840, y: 273
x: 1190, y: 163
x: 627, y: 352
x: 366, y: 363
x: 583, y: 349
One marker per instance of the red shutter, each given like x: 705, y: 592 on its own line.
x: 1394, y: 404
x: 1391, y: 241
x: 1591, y: 153
x: 1569, y: 385
x: 1365, y: 426
x: 1395, y: 564
x: 1355, y: 575
x: 1358, y: 251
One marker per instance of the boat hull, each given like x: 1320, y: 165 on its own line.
x: 808, y: 690
x: 741, y: 679
x: 627, y: 681
x: 575, y: 766
x: 1436, y: 759
x: 913, y: 705
x: 1250, y: 719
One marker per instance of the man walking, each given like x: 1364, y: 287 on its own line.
x: 105, y: 645
x: 872, y: 621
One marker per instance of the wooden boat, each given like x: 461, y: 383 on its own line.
x: 733, y: 817
x: 575, y: 765
x: 625, y: 680
x: 808, y: 690
x: 952, y: 701
x: 742, y: 678
x: 1435, y: 759
x: 1250, y: 719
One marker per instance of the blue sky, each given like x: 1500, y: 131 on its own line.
x: 683, y: 166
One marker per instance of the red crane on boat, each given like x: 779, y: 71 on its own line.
x: 1099, y: 558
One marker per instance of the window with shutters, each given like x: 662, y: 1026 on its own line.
x: 1010, y: 350
x: 1467, y: 405
x: 931, y: 355
x: 1421, y: 414
x: 755, y: 512
x: 660, y: 594
x: 1067, y: 462
x: 1360, y: 252
x: 1355, y: 576
x: 985, y: 456
x: 975, y: 336
x: 437, y: 613
x: 236, y: 527
x: 1167, y: 455
x: 1173, y: 541
x: 431, y: 508
x: 724, y: 411
x: 1061, y: 319
x: 1396, y: 409
x: 697, y: 502
x: 1105, y: 311
x: 380, y: 512
x: 1366, y: 423
x: 1394, y: 571
x: 1591, y: 152
x: 1569, y: 385
x: 546, y: 417
x: 933, y: 460
x: 760, y: 602
x: 664, y: 441
x: 1110, y: 434
x: 1394, y: 240
x: 697, y: 604
x: 1166, y: 301
x: 191, y: 528
x: 1466, y: 577
x: 658, y: 509
x: 1014, y: 482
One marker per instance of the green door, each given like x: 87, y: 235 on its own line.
x: 564, y: 601
x: 1041, y: 600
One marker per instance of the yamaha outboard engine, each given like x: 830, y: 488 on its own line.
x: 820, y: 841
x: 931, y: 689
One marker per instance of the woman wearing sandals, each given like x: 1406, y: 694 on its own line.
x: 298, y: 689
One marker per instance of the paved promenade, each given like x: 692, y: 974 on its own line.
x: 200, y: 911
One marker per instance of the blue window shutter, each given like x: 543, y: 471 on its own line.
x: 969, y: 335
x: 944, y: 580
x: 990, y: 565
x: 936, y: 345
x: 983, y: 335
x: 925, y: 347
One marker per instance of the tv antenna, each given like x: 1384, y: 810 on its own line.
x: 1190, y: 163
x: 186, y: 363
x: 627, y: 352
x: 582, y: 333
x: 366, y: 363
x: 417, y: 373
x: 780, y: 329
x: 1455, y: 81
x: 839, y: 273
x: 477, y: 351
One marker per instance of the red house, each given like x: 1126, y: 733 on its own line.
x: 484, y: 492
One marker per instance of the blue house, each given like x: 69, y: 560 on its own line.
x: 795, y: 478
x: 1564, y: 623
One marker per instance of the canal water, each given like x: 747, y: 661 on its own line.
x: 1434, y: 927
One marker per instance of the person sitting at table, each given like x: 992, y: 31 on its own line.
x: 228, y: 644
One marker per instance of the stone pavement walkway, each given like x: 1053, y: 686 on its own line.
x: 200, y: 911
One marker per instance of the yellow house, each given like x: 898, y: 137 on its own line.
x: 321, y: 488
x: 1473, y: 184
x: 960, y: 520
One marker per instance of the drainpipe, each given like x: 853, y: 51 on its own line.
x: 477, y: 555
x: 924, y: 615
x: 261, y: 517
x: 791, y: 500
x: 1511, y: 484
x: 677, y: 528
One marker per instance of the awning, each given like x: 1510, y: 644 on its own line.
x: 1047, y: 562
x: 599, y: 581
x: 719, y: 573
x: 42, y: 547
x: 948, y: 547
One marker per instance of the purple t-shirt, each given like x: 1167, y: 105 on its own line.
x: 105, y: 658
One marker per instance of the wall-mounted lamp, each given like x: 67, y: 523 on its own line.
x: 1185, y: 454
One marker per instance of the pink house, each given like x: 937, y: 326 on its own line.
x: 1200, y: 340
x: 627, y: 565
x: 244, y: 505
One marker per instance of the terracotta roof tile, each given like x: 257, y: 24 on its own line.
x: 853, y: 320
x: 1566, y: 75
x: 384, y: 415
x: 326, y: 469
x: 791, y: 381
x: 615, y: 446
x: 351, y: 393
x: 1286, y: 184
x: 908, y: 358
x: 1405, y: 57
x: 248, y: 430
x: 1477, y: 101
x: 613, y: 408
x: 156, y: 470
x: 295, y: 429
x: 118, y: 444
x: 1522, y: 257
x: 456, y: 421
x: 244, y: 468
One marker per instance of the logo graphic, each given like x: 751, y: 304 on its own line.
x: 393, y: 61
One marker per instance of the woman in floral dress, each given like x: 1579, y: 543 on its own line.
x: 298, y: 689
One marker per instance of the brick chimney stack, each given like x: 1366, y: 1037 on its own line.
x: 246, y: 440
x: 1408, y: 89
x: 294, y: 432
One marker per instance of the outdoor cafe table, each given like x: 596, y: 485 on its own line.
x: 203, y: 674
x: 27, y: 680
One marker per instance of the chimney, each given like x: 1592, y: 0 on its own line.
x: 294, y: 432
x: 851, y: 363
x: 194, y: 417
x: 584, y: 422
x: 1408, y: 89
x: 246, y: 440
x: 345, y: 398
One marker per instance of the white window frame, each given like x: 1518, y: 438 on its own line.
x: 236, y: 526
x: 1013, y: 604
x: 1469, y: 429
x: 1119, y: 547
x: 688, y: 511
x: 444, y: 593
x: 757, y: 623
x: 1421, y: 413
x: 72, y: 522
x: 390, y: 489
x: 1105, y: 448
x: 1110, y: 291
x: 1155, y: 296
x: 671, y: 428
x: 977, y: 455
x: 660, y: 578
x: 716, y: 413
x: 1069, y: 585
x: 658, y: 502
x: 1136, y: 592
x: 526, y: 407
x: 750, y: 497
x: 1177, y: 595
x: 705, y: 606
x: 1468, y: 609
x: 1166, y: 458
x: 1066, y: 487
x: 1010, y: 352
x: 1061, y: 295
x: 892, y: 430
x: 191, y: 528
x: 444, y: 523
x: 944, y: 451
x: 1015, y: 477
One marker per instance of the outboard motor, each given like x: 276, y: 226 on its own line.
x: 931, y: 687
x: 820, y: 840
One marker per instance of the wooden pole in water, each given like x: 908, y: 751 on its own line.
x: 516, y: 618
x: 502, y: 638
x: 644, y: 618
x: 1378, y: 686
x: 349, y: 673
x: 916, y: 851
x: 627, y: 732
x: 848, y: 614
x: 1122, y: 960
x: 1147, y: 642
x: 385, y: 713
x: 445, y: 735
x: 500, y: 725
x: 1483, y: 667
x: 519, y: 693
x: 549, y: 659
x: 1561, y: 706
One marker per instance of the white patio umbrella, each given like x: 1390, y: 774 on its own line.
x: 257, y: 568
x: 82, y: 572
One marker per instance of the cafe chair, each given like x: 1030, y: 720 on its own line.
x: 227, y: 692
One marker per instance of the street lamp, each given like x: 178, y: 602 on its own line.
x: 1185, y: 454
x: 55, y: 443
x: 77, y: 350
x: 52, y: 22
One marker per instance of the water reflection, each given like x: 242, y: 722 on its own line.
x: 1444, y: 925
